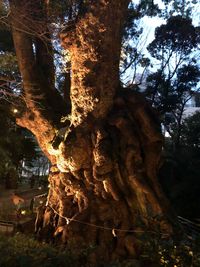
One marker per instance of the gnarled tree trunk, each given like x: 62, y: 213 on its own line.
x: 103, y: 180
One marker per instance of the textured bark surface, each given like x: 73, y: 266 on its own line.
x: 94, y: 44
x: 103, y: 181
x: 110, y: 182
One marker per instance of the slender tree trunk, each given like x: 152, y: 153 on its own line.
x: 103, y: 182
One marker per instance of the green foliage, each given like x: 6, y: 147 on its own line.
x: 184, y: 8
x: 190, y: 135
x: 188, y: 77
x: 177, y: 35
x: 149, y: 8
x: 8, y: 62
x: 131, y: 28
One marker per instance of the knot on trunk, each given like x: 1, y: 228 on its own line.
x: 74, y: 152
x: 102, y: 154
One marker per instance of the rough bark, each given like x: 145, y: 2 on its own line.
x: 103, y: 180
x: 94, y: 44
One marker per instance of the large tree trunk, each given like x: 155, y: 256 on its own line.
x: 103, y: 180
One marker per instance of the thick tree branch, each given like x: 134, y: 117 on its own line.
x: 44, y: 104
x: 35, y: 60
x: 94, y: 45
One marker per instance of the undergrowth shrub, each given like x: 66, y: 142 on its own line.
x: 24, y: 251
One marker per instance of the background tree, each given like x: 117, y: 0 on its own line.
x: 134, y: 63
x: 176, y: 79
x: 170, y: 87
x: 180, y: 175
x: 184, y: 8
